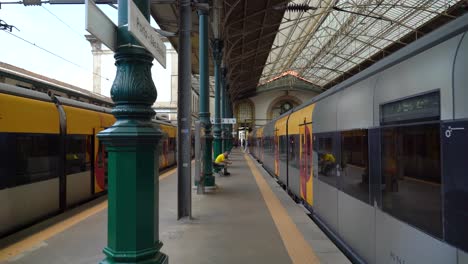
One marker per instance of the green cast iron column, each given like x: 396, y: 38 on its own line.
x: 229, y: 115
x: 133, y: 186
x: 217, y: 55
x: 208, y: 178
x: 223, y: 109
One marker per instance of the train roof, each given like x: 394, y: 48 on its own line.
x: 31, y: 94
x: 14, y: 72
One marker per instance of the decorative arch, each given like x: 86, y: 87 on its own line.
x: 279, y: 105
x: 245, y: 110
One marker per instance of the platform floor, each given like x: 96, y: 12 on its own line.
x: 249, y: 219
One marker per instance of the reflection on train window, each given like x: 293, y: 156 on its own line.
x: 79, y: 153
x: 294, y: 154
x: 355, y: 164
x: 172, y: 144
x: 37, y: 157
x: 6, y: 159
x: 326, y: 160
x: 101, y: 166
x: 282, y: 147
x: 411, y: 180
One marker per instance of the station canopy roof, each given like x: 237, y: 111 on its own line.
x: 322, y: 41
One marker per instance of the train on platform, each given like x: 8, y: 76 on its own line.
x: 380, y: 160
x: 50, y: 156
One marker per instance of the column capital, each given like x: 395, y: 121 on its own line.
x: 96, y: 44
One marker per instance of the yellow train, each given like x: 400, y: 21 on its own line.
x: 50, y: 156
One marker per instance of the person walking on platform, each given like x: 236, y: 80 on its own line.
x: 221, y: 162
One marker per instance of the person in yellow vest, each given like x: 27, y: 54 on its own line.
x: 327, y: 164
x: 222, y: 161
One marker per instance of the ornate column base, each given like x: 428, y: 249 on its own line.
x: 146, y: 256
x: 209, y: 179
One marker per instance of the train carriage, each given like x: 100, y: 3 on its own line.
x: 252, y: 138
x: 47, y: 152
x: 269, y: 147
x: 388, y: 154
x: 51, y: 158
x: 281, y: 149
x: 259, y: 144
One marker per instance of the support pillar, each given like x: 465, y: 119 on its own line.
x: 207, y: 178
x: 226, y: 99
x: 223, y: 109
x: 229, y: 115
x: 184, y: 115
x: 133, y: 186
x: 217, y: 55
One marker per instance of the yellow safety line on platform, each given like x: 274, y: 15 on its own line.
x: 298, y: 249
x: 33, y: 240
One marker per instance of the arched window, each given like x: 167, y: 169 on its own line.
x: 245, y: 112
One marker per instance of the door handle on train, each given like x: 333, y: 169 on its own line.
x: 448, y: 132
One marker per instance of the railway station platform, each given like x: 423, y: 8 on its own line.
x: 248, y: 219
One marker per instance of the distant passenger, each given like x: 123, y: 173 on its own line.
x: 222, y: 161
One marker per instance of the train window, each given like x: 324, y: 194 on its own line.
x: 326, y: 160
x: 78, y: 154
x: 7, y: 160
x: 411, y: 178
x: 100, y: 156
x: 355, y: 164
x: 282, y: 147
x: 294, y: 151
x: 172, y: 144
x: 37, y: 158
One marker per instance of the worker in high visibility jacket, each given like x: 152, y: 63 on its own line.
x: 327, y: 164
x: 222, y: 161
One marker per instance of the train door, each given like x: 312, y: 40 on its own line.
x: 163, y: 160
x: 100, y: 164
x: 327, y: 147
x: 305, y: 152
x: 276, y: 150
x: 262, y: 145
x: 454, y: 136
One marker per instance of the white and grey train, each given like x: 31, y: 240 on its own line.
x: 396, y: 187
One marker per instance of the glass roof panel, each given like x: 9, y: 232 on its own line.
x: 335, y: 36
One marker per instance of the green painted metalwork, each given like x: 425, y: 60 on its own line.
x: 229, y: 115
x: 208, y: 178
x: 223, y: 109
x: 133, y: 164
x: 217, y: 55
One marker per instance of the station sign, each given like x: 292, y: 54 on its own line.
x: 223, y: 120
x: 228, y: 121
x: 100, y: 26
x: 141, y: 29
